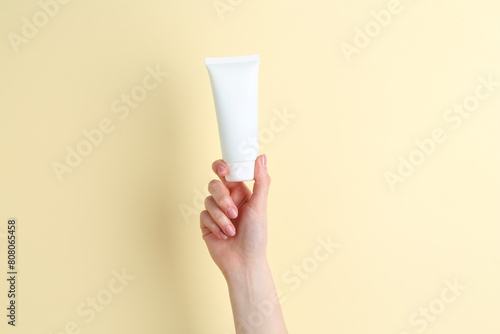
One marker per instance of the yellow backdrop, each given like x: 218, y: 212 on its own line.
x: 381, y: 124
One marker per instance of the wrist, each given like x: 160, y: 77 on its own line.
x: 248, y: 271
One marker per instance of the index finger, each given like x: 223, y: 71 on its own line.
x: 220, y: 168
x: 239, y: 191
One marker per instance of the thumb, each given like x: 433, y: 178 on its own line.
x: 262, y: 180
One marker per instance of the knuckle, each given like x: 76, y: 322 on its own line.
x: 212, y: 185
x: 226, y: 201
x: 203, y: 215
x: 214, y: 228
x: 219, y: 216
x: 207, y: 221
x: 207, y: 201
x: 265, y: 179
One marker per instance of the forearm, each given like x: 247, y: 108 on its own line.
x: 255, y: 304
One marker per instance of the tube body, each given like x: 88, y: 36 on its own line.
x: 234, y: 83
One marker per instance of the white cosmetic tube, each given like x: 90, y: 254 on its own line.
x: 234, y: 86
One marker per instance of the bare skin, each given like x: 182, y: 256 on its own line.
x: 234, y: 227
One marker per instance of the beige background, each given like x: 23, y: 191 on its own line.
x: 133, y: 202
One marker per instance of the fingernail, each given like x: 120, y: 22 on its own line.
x: 230, y: 230
x: 232, y: 212
x: 263, y: 160
x: 220, y: 170
x: 222, y: 235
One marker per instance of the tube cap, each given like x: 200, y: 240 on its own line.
x: 240, y: 171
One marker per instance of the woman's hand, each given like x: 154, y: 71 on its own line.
x: 234, y: 224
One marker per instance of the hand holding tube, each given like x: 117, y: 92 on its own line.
x: 234, y: 227
x: 234, y: 224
